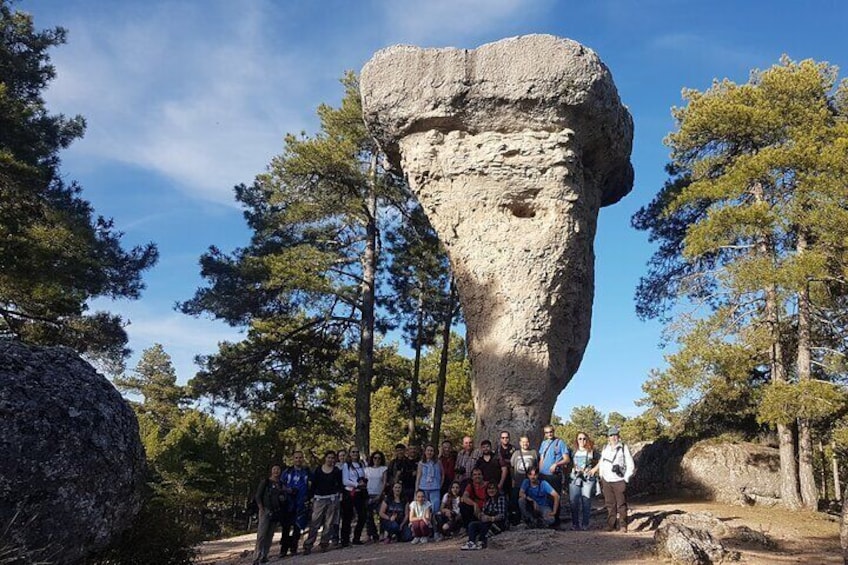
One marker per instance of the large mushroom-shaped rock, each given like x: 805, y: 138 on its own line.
x: 511, y: 148
x: 72, y: 462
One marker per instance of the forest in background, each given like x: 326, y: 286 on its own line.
x: 749, y: 276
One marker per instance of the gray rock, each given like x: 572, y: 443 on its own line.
x: 72, y: 461
x: 734, y: 473
x: 511, y: 148
x: 690, y: 546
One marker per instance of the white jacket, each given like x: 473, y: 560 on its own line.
x: 618, y: 455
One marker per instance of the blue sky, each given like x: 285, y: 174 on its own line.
x: 186, y: 99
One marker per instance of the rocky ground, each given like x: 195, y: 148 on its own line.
x: 761, y: 535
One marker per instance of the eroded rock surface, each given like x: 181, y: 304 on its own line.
x: 511, y: 148
x: 72, y: 461
x: 734, y: 473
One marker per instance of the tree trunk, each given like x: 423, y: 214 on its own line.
x: 837, y: 489
x: 362, y: 430
x: 843, y: 529
x: 806, y: 473
x: 441, y: 383
x: 789, y: 496
x: 823, y: 471
x: 788, y: 468
x: 416, y: 374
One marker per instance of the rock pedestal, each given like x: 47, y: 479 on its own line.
x: 511, y: 148
x: 72, y: 462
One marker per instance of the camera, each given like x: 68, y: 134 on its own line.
x: 618, y: 470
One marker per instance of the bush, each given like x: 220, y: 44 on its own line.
x: 156, y: 536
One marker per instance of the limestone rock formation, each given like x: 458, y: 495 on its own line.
x: 734, y: 473
x: 511, y: 148
x: 72, y: 461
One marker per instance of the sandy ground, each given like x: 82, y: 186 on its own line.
x: 795, y: 537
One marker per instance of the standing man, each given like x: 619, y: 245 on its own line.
x: 465, y: 461
x: 447, y: 457
x: 295, y: 482
x: 523, y: 459
x: 269, y: 499
x: 402, y: 470
x: 554, y: 457
x: 493, y: 467
x: 326, y: 488
x: 616, y: 467
x: 505, y: 451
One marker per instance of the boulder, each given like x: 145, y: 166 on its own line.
x: 511, y: 149
x: 734, y: 473
x: 690, y: 545
x: 730, y: 472
x: 72, y: 463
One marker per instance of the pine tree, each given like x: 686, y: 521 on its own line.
x: 55, y: 254
x: 753, y: 217
x: 306, y: 284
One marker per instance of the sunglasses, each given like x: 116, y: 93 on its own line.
x: 581, y: 439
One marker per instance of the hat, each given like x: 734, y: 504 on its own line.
x: 613, y: 431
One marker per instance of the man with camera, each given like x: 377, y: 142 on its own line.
x: 615, y: 467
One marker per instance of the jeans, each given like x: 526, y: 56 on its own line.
x: 477, y: 531
x: 394, y: 530
x: 434, y: 496
x: 581, y: 503
x: 535, y: 513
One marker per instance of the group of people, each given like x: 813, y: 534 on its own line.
x: 422, y: 495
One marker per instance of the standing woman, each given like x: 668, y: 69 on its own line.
x: 355, y: 498
x: 583, y: 479
x: 616, y: 467
x: 394, y: 514
x: 269, y: 498
x: 429, y: 477
x: 326, y: 486
x: 375, y: 473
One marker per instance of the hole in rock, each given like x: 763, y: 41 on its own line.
x: 521, y: 209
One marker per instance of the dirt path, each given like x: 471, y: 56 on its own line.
x: 794, y: 537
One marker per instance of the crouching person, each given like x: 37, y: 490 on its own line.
x: 490, y: 521
x: 394, y: 515
x: 538, y: 501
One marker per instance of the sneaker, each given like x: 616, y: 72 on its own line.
x: 358, y: 542
x: 424, y: 540
x: 416, y: 540
x: 437, y: 537
x: 469, y: 545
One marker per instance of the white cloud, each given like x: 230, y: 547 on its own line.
x: 204, y: 109
x: 440, y: 22
x: 705, y: 49
x: 183, y: 337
